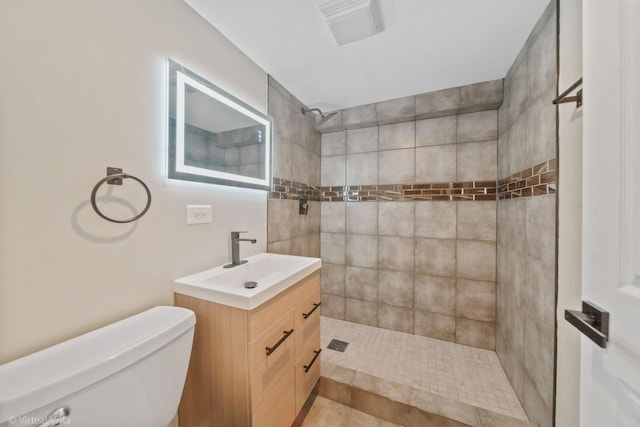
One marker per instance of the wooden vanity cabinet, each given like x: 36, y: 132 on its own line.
x: 232, y: 381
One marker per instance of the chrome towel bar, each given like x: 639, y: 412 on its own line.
x: 563, y: 97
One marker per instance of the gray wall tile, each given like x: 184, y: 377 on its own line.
x: 333, y: 306
x: 437, y: 131
x: 437, y: 104
x: 362, y: 169
x: 281, y: 247
x: 333, y: 217
x: 295, y: 143
x: 333, y: 247
x: 280, y: 213
x: 542, y: 63
x: 362, y: 218
x: 395, y: 318
x: 434, y: 325
x: 435, y: 294
x: 475, y: 333
x: 395, y: 253
x: 436, y: 220
x: 333, y: 143
x: 398, y: 135
x: 362, y: 283
x: 396, y: 166
x: 540, y: 144
x: 538, y: 412
x: 396, y: 110
x: 540, y: 295
x: 476, y: 300
x: 481, y: 96
x: 362, y: 250
x: 360, y: 311
x: 539, y: 361
x: 436, y: 257
x: 363, y: 115
x: 362, y: 140
x: 396, y: 219
x: 476, y: 260
x: 396, y: 288
x: 482, y: 126
x: 526, y: 228
x: 540, y: 228
x: 477, y: 221
x: 512, y: 366
x: 332, y: 279
x: 477, y: 161
x: 333, y: 170
x: 434, y: 164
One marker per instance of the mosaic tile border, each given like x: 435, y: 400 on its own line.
x: 533, y: 181
x: 443, y: 191
x: 293, y: 190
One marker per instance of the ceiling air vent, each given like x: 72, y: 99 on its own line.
x: 352, y: 20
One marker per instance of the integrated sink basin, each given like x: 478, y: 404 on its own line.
x: 273, y: 273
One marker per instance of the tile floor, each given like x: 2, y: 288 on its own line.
x: 466, y: 374
x: 327, y: 413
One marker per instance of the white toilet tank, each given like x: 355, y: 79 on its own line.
x: 127, y: 374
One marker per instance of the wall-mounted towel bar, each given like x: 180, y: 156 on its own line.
x: 563, y: 97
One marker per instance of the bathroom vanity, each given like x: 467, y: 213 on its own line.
x: 253, y: 363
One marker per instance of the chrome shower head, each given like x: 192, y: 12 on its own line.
x: 323, y: 116
x: 326, y: 116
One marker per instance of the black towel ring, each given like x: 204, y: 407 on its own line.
x: 115, y: 177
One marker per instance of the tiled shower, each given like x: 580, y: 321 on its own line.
x: 434, y: 214
x: 408, y: 227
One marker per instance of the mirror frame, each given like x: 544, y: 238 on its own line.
x: 176, y: 143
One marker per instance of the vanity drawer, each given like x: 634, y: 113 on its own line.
x: 307, y: 371
x: 262, y: 317
x: 271, y: 356
x: 307, y: 312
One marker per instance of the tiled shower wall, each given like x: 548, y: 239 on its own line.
x: 526, y: 251
x: 409, y: 215
x: 296, y: 170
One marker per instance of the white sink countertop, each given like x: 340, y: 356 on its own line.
x: 273, y: 273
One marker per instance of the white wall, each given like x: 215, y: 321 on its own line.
x: 82, y: 87
x: 570, y: 217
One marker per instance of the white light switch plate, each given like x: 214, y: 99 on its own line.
x: 198, y: 214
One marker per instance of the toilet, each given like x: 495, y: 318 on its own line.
x: 128, y: 374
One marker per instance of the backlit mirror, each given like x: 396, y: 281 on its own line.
x: 213, y: 136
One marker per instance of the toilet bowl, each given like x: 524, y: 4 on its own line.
x: 128, y: 374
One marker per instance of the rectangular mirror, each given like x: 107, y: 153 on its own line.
x: 213, y: 136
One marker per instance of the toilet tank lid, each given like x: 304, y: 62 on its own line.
x: 38, y: 379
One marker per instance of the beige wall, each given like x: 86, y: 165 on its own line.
x: 83, y: 87
x: 570, y: 215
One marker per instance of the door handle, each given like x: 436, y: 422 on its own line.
x: 592, y: 321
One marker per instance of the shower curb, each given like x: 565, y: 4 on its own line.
x: 401, y: 404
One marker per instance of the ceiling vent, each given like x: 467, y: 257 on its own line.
x: 352, y: 20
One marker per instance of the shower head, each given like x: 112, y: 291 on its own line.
x: 323, y: 116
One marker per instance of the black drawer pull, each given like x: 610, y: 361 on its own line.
x: 284, y: 337
x: 315, y: 306
x: 307, y: 367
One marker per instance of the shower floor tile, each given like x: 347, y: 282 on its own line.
x: 455, y: 371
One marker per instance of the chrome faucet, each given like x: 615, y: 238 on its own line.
x: 235, y: 249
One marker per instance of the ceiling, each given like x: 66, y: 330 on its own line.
x: 427, y: 45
